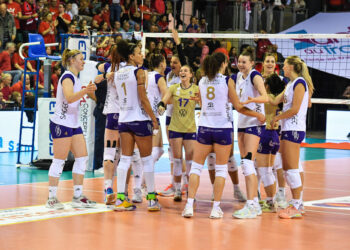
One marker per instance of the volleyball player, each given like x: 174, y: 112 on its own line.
x: 172, y: 78
x: 156, y: 89
x: 182, y: 128
x: 215, y: 129
x: 66, y: 131
x: 111, y: 153
x: 136, y: 122
x: 296, y: 99
x: 251, y: 92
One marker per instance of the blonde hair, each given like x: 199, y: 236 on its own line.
x: 3, y: 76
x: 301, y: 69
x: 67, y: 55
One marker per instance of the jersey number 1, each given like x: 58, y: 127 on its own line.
x: 124, y: 87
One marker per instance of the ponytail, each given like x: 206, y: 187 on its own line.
x: 305, y: 74
x: 67, y: 55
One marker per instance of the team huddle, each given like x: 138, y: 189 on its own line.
x: 271, y: 125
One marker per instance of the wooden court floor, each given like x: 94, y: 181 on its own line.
x: 321, y: 227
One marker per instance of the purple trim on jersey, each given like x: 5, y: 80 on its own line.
x: 234, y: 77
x: 106, y: 66
x: 138, y: 128
x: 210, y: 136
x: 227, y: 78
x: 135, y: 72
x: 185, y: 136
x: 285, y: 80
x: 68, y: 76
x: 167, y: 121
x: 254, y: 74
x: 167, y: 70
x: 59, y: 131
x: 269, y: 142
x: 257, y: 130
x: 158, y: 121
x: 112, y: 121
x: 232, y: 127
x: 293, y: 136
x: 157, y: 77
x: 299, y: 81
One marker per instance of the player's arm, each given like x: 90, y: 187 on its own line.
x: 68, y: 91
x: 238, y: 105
x: 141, y: 91
x: 260, y: 87
x: 162, y: 86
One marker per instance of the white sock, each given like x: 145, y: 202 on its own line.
x: 301, y: 195
x: 52, y: 191
x: 108, y: 184
x: 184, y: 178
x: 296, y: 203
x: 78, y: 190
x: 216, y: 204
x: 189, y: 202
x: 269, y: 198
x: 149, y: 177
x: 236, y: 187
x: 177, y: 185
x: 281, y: 190
x: 250, y: 202
x: 122, y: 172
x: 256, y: 200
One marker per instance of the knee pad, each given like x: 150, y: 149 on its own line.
x: 170, y: 154
x: 221, y: 171
x: 79, y: 165
x: 157, y: 153
x: 301, y: 169
x: 117, y: 155
x: 177, y: 167
x: 136, y: 157
x: 188, y: 167
x: 267, y: 176
x: 232, y: 165
x: 196, y: 168
x: 248, y: 167
x: 109, y: 154
x: 56, y: 168
x: 124, y: 162
x: 278, y: 161
x: 211, y: 160
x: 147, y: 162
x: 292, y: 177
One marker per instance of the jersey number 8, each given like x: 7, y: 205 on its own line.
x: 210, y: 93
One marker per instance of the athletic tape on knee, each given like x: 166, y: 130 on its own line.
x: 221, y: 171
x: 188, y: 167
x: 211, y: 160
x: 292, y: 177
x: 278, y: 161
x: 79, y: 165
x: 177, y: 167
x: 248, y: 167
x: 267, y: 176
x: 170, y: 154
x: 147, y: 162
x: 109, y: 154
x: 56, y: 168
x: 232, y: 164
x: 196, y: 168
x: 124, y: 162
x: 301, y: 169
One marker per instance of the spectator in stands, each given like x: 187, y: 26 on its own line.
x: 233, y: 60
x: 203, y: 26
x: 83, y: 26
x: 96, y: 7
x: 54, y: 9
x: 72, y: 29
x: 193, y: 26
x: 84, y: 8
x: 97, y: 19
x: 153, y: 21
x: 159, y: 48
x: 278, y: 14
x: 336, y: 5
x: 116, y: 27
x: 7, y: 27
x: 72, y: 9
x: 151, y: 46
x: 126, y: 31
x: 5, y: 82
x: 16, y: 97
x: 163, y: 23
x: 213, y: 44
x: 56, y: 73
x: 15, y: 10
x: 269, y: 4
x: 115, y: 11
x: 137, y: 27
x: 5, y: 61
x: 205, y: 50
x: 2, y: 101
x: 104, y: 28
x: 63, y: 19
x: 47, y: 28
x: 145, y: 8
x: 135, y: 12
x: 126, y: 11
x: 261, y: 46
x: 29, y: 19
x: 106, y: 14
x: 18, y: 86
x: 222, y: 49
x: 102, y: 47
x: 248, y: 10
x: 168, y: 52
x: 18, y: 63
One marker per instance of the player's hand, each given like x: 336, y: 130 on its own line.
x: 110, y: 75
x: 250, y: 99
x: 273, y: 122
x: 176, y: 36
x: 98, y: 78
x: 90, y: 88
x: 195, y: 97
x: 155, y: 126
x: 161, y: 108
x: 261, y: 118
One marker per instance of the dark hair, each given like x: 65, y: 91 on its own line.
x: 212, y: 64
x: 250, y: 52
x: 276, y: 85
x: 155, y: 60
x: 125, y: 49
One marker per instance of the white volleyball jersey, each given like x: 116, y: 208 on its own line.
x: 130, y: 105
x: 215, y: 108
x: 67, y: 114
x: 112, y: 103
x: 245, y: 88
x: 298, y: 121
x: 153, y: 92
x: 175, y: 79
